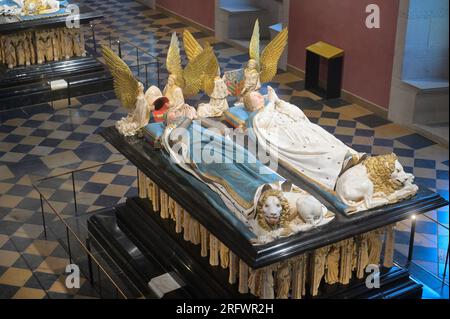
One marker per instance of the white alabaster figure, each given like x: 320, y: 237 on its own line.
x: 173, y: 92
x: 358, y: 181
x: 265, y: 202
x: 281, y: 212
x: 253, y: 101
x: 151, y: 95
x: 285, y: 130
x: 218, y: 102
x: 181, y: 111
x: 377, y: 181
x: 130, y: 125
x: 252, y: 80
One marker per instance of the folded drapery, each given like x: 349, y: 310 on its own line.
x: 239, y: 185
x: 285, y: 131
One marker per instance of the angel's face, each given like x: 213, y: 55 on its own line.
x: 252, y: 64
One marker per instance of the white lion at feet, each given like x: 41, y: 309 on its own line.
x: 282, y: 212
x: 377, y: 181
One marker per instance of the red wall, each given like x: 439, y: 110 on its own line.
x: 369, y: 53
x: 200, y: 11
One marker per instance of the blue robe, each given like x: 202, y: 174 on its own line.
x: 231, y: 165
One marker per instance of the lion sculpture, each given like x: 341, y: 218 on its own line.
x: 282, y: 212
x: 375, y: 182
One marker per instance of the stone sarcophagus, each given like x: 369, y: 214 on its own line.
x: 302, y: 265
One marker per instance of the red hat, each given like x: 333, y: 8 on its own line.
x: 159, y: 103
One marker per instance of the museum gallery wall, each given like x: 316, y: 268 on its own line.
x: 199, y: 11
x: 369, y: 51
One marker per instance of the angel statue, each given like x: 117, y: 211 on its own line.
x: 262, y: 68
x: 187, y: 82
x: 130, y: 92
x: 218, y: 100
x: 213, y: 85
x: 173, y: 92
x: 252, y: 79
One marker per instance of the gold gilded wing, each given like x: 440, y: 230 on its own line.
x: 195, y: 71
x: 211, y: 72
x: 173, y: 62
x: 191, y: 46
x: 254, y: 43
x: 126, y: 87
x: 194, y: 49
x: 271, y: 56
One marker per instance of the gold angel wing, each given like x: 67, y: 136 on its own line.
x: 191, y: 45
x: 126, y: 87
x: 271, y: 56
x: 194, y: 49
x: 255, y: 43
x: 173, y: 62
x: 195, y: 71
x: 211, y: 72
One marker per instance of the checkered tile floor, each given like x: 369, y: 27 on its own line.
x: 39, y: 141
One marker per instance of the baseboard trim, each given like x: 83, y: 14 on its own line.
x: 184, y: 19
x: 348, y: 96
x: 296, y: 71
x: 374, y: 108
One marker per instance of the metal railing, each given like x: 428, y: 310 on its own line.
x: 413, y: 230
x: 72, y: 233
x: 116, y: 41
x: 409, y: 261
x: 141, y: 69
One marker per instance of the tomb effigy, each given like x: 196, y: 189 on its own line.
x: 43, y: 41
x: 359, y: 181
x: 316, y: 220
